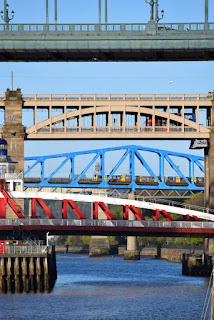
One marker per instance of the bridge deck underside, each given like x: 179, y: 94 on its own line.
x: 74, y: 55
x: 8, y: 231
x: 134, y: 45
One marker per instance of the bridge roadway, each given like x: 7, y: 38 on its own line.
x: 107, y: 227
x: 116, y: 116
x: 107, y: 42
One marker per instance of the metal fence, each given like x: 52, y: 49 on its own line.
x: 124, y: 28
x: 25, y: 250
x: 107, y: 223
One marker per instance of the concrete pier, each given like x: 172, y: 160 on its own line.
x: 99, y: 245
x: 27, y: 273
x: 132, y: 252
x: 193, y: 265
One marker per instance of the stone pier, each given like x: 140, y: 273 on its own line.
x: 13, y: 133
x: 132, y: 252
x: 193, y: 265
x: 209, y: 181
x: 27, y: 273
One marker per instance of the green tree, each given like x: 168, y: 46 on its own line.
x: 196, y: 199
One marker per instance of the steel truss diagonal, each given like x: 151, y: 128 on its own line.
x: 131, y: 153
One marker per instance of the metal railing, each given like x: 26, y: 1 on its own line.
x: 102, y: 129
x: 115, y: 97
x: 11, y: 176
x: 178, y: 204
x: 114, y: 28
x: 106, y: 223
x: 25, y: 250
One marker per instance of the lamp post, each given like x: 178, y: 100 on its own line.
x: 162, y: 15
x: 5, y: 15
x: 152, y: 3
x: 206, y: 11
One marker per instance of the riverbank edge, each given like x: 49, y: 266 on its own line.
x: 169, y: 253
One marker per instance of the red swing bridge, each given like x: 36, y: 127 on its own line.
x: 193, y: 222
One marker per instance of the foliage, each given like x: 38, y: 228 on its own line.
x: 78, y: 240
x: 196, y: 199
x: 146, y: 241
x: 117, y: 211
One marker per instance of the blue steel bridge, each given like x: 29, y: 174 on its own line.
x: 134, y: 156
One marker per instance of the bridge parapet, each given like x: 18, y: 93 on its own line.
x: 188, y: 28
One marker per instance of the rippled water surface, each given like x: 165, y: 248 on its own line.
x: 112, y: 289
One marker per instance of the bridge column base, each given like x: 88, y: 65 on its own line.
x: 208, y: 246
x: 99, y: 246
x: 196, y: 265
x: 132, y: 252
x: 131, y: 255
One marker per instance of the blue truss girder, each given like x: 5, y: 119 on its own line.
x: 147, y: 167
x: 131, y: 152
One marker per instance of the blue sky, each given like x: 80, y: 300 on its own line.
x: 103, y: 77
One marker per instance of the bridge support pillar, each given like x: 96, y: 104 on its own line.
x: 132, y: 253
x: 99, y: 245
x: 209, y: 182
x: 13, y: 133
x: 13, y: 130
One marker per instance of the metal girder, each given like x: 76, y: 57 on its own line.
x: 105, y: 227
x: 133, y: 181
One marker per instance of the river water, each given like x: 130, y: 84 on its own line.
x: 112, y: 289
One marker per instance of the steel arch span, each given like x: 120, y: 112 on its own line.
x: 132, y: 154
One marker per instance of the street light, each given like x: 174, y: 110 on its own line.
x: 162, y: 14
x: 153, y: 3
x: 5, y: 15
